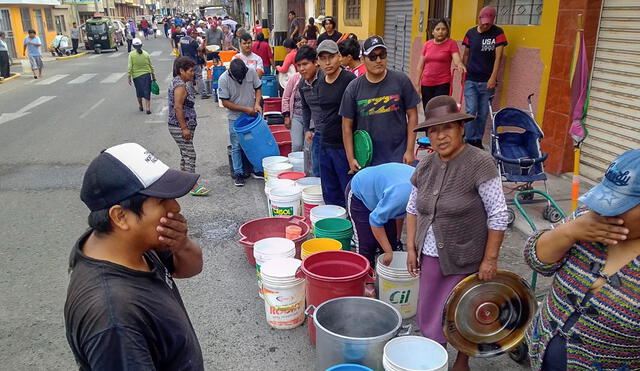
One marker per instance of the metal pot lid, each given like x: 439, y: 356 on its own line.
x: 488, y: 318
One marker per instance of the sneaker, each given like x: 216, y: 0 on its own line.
x: 140, y: 108
x: 238, y: 181
x: 148, y: 112
x: 257, y: 175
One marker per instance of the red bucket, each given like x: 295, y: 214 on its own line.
x: 258, y: 229
x: 334, y: 274
x: 293, y: 175
x: 273, y: 105
x: 275, y: 128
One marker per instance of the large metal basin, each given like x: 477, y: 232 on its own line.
x: 354, y: 329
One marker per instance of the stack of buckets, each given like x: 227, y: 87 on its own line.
x: 316, y: 245
x: 283, y: 293
x: 407, y: 353
x: 271, y: 248
x: 335, y: 228
x: 311, y: 197
x: 326, y: 211
x: 297, y: 160
x: 396, y: 286
x: 273, y: 184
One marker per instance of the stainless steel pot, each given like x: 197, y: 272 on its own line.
x: 353, y: 329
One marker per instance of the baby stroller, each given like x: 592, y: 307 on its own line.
x: 515, y: 144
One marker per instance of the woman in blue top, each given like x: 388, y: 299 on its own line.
x: 377, y: 196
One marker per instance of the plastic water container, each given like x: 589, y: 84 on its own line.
x: 311, y: 197
x: 409, y: 353
x: 293, y: 175
x: 337, y: 228
x: 326, y: 211
x: 276, y: 183
x: 272, y: 105
x: 272, y: 160
x: 271, y: 248
x: 396, y: 286
x: 297, y: 160
x: 285, y: 201
x: 307, y: 182
x: 269, y: 86
x: 216, y: 72
x: 283, y: 293
x: 316, y: 245
x: 256, y: 139
x: 349, y: 367
x: 272, y: 171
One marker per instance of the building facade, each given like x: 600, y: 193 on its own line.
x: 18, y: 16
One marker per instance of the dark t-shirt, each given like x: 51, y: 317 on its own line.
x: 214, y: 36
x: 482, y: 51
x: 117, y: 318
x: 189, y: 48
x: 176, y: 38
x: 381, y: 110
x: 324, y: 100
x: 325, y: 36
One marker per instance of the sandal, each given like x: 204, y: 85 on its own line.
x: 200, y: 191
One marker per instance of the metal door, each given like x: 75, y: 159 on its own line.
x: 5, y: 26
x: 397, y: 34
x: 41, y: 30
x: 613, y: 117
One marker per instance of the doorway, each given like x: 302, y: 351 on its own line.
x: 438, y: 9
x: 41, y: 30
x: 5, y: 26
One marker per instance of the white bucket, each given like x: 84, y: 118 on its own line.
x: 284, y: 201
x: 396, y: 286
x: 327, y: 211
x: 271, y: 248
x: 276, y: 183
x: 271, y: 171
x: 311, y: 198
x: 297, y: 160
x: 283, y: 293
x: 307, y: 182
x: 271, y: 160
x: 414, y: 353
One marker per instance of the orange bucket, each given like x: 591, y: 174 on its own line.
x: 227, y: 55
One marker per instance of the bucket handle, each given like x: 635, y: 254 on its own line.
x: 407, y: 330
x: 299, y: 273
x: 370, y: 284
x: 310, y: 311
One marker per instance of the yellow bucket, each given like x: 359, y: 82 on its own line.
x: 315, y: 245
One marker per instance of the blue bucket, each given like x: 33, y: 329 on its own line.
x: 269, y: 86
x: 216, y: 72
x: 349, y: 367
x: 256, y: 139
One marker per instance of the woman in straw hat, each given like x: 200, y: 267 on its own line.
x: 456, y: 216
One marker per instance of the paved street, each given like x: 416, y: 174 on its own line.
x: 50, y: 129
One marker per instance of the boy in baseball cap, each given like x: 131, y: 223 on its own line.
x: 123, y: 309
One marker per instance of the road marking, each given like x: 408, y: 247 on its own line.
x: 87, y: 112
x: 52, y: 79
x: 116, y: 55
x: 112, y: 78
x: 83, y: 78
x: 6, y: 117
x: 94, y: 56
x: 156, y: 53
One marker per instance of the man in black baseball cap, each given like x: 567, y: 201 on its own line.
x: 123, y: 309
x: 383, y: 103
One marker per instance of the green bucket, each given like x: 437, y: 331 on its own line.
x: 336, y: 228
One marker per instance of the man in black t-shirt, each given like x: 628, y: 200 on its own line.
x: 320, y: 97
x: 123, y: 309
x: 384, y: 103
x: 484, y: 47
x: 176, y: 36
x: 330, y: 33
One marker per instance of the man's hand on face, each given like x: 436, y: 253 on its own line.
x: 173, y: 232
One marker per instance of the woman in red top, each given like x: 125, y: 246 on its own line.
x: 292, y: 50
x: 435, y: 63
x: 263, y: 49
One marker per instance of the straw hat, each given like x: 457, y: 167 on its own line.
x: 441, y: 110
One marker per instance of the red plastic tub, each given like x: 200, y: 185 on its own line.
x: 334, y: 274
x: 293, y: 175
x: 282, y: 135
x: 275, y: 128
x: 273, y: 105
x: 255, y: 230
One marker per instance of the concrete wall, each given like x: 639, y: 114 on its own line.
x: 371, y: 18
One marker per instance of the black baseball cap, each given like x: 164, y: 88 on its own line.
x: 127, y: 169
x: 372, y: 43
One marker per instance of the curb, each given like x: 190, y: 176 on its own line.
x: 70, y: 56
x: 15, y: 76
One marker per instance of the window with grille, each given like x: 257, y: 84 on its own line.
x: 517, y: 12
x: 322, y: 7
x: 352, y: 11
x: 60, y: 25
x: 26, y: 19
x: 49, y: 18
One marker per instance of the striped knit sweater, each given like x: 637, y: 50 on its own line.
x: 607, y: 335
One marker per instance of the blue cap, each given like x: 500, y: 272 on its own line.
x: 619, y: 190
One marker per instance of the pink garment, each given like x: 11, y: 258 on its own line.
x: 289, y: 92
x: 288, y: 61
x: 437, y: 62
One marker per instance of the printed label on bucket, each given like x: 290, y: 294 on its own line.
x: 281, y: 211
x: 403, y: 296
x: 284, y: 308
